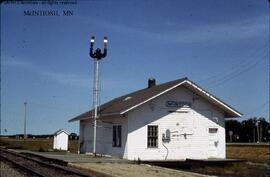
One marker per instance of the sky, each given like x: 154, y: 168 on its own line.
x: 223, y: 46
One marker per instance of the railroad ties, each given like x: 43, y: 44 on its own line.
x: 38, y: 167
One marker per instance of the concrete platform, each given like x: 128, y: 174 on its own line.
x: 214, y: 160
x: 75, y: 158
x: 88, y: 158
x: 193, y: 163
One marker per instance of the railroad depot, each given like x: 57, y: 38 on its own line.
x: 176, y: 120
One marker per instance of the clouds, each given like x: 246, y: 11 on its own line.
x: 69, y: 79
x: 221, y: 32
x: 184, y: 32
x: 81, y: 81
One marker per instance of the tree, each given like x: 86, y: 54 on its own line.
x: 235, y: 127
x: 247, y: 130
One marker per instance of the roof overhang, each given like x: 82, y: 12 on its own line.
x: 60, y: 131
x: 229, y: 111
x: 89, y: 117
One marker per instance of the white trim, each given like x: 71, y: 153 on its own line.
x: 193, y: 85
x: 123, y: 112
x: 209, y: 95
x: 60, y: 131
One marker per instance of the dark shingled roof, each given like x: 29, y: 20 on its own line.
x: 123, y: 103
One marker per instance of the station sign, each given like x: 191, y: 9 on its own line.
x: 178, y: 104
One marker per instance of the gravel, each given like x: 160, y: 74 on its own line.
x: 133, y: 170
x: 8, y: 170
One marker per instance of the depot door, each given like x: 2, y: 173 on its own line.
x: 213, y: 142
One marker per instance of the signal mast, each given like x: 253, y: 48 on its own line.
x: 97, y: 56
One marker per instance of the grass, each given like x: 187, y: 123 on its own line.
x: 258, y: 161
x: 42, y: 145
x: 243, y: 169
x: 256, y: 154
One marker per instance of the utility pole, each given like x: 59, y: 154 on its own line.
x: 230, y: 133
x: 97, y: 56
x: 254, y: 135
x: 24, y: 122
x: 261, y: 136
x: 258, y: 132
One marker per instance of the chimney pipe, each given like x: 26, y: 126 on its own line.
x: 151, y: 82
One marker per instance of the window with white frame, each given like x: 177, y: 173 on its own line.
x: 116, y: 135
x: 152, y: 136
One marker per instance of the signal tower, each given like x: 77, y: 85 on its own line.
x: 97, y: 56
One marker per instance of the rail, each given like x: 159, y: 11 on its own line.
x: 37, y: 167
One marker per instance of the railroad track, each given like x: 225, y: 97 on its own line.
x: 37, y: 167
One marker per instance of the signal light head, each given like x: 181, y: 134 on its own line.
x: 92, y: 39
x: 105, y: 39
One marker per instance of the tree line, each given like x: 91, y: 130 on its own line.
x: 250, y: 130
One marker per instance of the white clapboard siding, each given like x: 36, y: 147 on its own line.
x: 104, y: 136
x: 189, y: 129
x: 195, y: 122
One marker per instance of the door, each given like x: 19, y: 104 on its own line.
x: 213, y: 142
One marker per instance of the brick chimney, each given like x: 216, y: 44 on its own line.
x: 151, y: 82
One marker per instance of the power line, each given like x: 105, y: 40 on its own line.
x: 235, y: 74
x: 258, y: 108
x: 238, y: 65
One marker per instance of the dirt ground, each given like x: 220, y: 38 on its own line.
x: 133, y: 170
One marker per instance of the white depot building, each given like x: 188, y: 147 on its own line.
x: 171, y: 121
x: 60, y: 140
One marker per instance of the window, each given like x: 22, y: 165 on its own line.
x: 152, y: 136
x: 116, y: 136
x: 213, y: 130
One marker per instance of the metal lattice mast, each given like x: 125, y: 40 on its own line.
x: 97, y: 55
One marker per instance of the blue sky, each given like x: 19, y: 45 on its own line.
x: 221, y: 45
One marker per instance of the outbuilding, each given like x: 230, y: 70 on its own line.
x: 171, y: 121
x: 60, y: 140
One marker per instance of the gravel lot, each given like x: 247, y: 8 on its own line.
x: 133, y: 170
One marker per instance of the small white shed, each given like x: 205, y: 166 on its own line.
x: 60, y: 140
